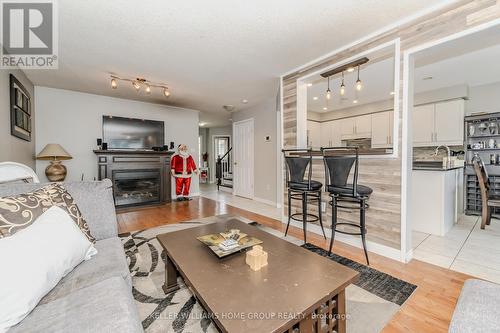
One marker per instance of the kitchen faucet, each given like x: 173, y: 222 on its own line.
x: 448, y: 160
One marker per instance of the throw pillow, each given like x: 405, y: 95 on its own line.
x: 35, y: 259
x: 19, y: 211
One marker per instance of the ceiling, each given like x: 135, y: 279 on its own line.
x: 209, y: 54
x: 472, y: 60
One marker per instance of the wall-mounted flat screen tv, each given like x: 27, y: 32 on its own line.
x: 131, y: 133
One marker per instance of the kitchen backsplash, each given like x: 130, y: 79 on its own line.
x: 427, y: 153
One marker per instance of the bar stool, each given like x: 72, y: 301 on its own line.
x: 339, y: 162
x: 306, y: 190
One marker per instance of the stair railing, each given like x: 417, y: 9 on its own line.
x: 224, y: 169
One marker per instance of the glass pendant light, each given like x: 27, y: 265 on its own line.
x: 359, y: 84
x: 342, y: 86
x: 328, y: 91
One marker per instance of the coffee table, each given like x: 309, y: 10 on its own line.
x: 297, y: 289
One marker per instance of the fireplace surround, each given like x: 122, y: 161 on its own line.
x: 139, y: 178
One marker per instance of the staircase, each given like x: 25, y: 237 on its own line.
x: 224, y: 170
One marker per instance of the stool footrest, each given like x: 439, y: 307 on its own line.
x: 300, y: 217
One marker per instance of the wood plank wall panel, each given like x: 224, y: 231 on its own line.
x: 383, y: 175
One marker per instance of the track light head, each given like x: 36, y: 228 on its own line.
x: 114, y: 84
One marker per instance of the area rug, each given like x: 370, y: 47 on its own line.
x: 370, y: 303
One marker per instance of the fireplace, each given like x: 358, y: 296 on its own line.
x: 139, y: 178
x: 136, y: 187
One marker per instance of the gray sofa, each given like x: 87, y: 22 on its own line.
x: 477, y: 309
x: 97, y: 295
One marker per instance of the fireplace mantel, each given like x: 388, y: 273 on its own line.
x: 139, y: 177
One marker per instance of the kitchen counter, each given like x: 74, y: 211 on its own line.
x: 437, y: 199
x: 436, y: 169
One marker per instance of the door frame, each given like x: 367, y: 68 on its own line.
x: 213, y: 160
x: 252, y: 156
x: 406, y: 125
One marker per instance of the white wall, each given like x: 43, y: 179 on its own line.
x: 266, y: 159
x: 12, y: 148
x: 74, y: 120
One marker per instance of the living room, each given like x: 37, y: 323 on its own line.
x: 201, y: 167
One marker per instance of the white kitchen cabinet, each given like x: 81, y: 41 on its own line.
x: 449, y: 122
x: 330, y: 134
x: 313, y: 134
x: 382, y: 128
x: 363, y: 126
x: 423, y: 125
x: 356, y: 127
x: 438, y: 123
x: 347, y: 128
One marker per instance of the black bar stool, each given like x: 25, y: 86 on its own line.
x: 306, y: 190
x: 339, y: 161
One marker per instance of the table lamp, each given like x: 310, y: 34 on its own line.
x: 55, y: 171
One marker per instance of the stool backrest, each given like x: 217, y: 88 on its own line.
x: 482, y: 177
x: 296, y: 166
x: 339, y: 162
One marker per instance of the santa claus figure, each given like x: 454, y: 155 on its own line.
x: 182, y: 167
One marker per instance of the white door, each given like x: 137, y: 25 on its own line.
x: 449, y: 126
x: 381, y: 129
x: 363, y: 126
x: 423, y: 125
x: 243, y: 155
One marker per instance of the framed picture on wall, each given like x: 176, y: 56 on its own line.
x: 20, y: 110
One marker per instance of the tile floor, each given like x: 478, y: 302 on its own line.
x: 224, y: 195
x: 466, y: 248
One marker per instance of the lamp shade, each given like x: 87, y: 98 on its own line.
x: 53, y: 151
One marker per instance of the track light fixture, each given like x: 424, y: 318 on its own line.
x: 139, y: 83
x: 359, y: 84
x: 342, y: 86
x: 328, y: 91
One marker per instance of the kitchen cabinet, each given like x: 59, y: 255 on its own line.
x: 382, y: 128
x: 313, y: 134
x: 330, y: 134
x: 356, y: 127
x: 423, y: 125
x: 449, y: 122
x: 438, y: 123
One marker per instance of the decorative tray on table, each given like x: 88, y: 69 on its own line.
x: 228, y: 242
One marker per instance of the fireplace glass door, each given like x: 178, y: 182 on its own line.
x: 132, y: 187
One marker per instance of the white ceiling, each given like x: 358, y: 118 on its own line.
x: 473, y: 61
x: 210, y: 53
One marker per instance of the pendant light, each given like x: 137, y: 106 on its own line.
x: 328, y: 91
x: 359, y: 84
x: 342, y: 86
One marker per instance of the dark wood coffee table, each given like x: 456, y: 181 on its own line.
x: 297, y: 289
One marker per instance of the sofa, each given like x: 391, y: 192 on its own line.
x: 97, y: 295
x: 477, y: 309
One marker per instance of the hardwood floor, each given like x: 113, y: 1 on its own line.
x: 429, y: 309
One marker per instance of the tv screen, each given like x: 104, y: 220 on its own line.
x: 130, y: 133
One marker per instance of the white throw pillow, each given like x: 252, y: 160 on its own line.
x: 35, y: 259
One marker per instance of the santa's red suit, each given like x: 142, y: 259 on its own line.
x: 182, y: 167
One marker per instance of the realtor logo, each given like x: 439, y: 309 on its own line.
x: 28, y: 34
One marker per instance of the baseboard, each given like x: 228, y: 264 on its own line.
x: 408, y: 257
x: 267, y: 202
x: 355, y: 241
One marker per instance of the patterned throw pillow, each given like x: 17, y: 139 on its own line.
x: 19, y: 211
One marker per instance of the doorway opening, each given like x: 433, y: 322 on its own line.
x: 450, y: 112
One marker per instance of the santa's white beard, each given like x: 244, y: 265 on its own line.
x: 184, y: 153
